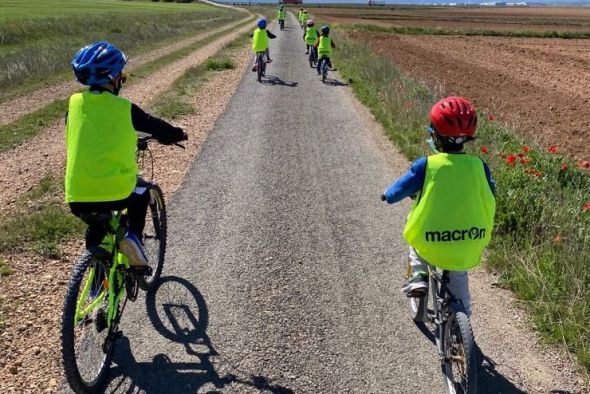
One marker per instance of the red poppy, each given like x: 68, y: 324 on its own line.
x: 525, y: 149
x: 538, y: 173
x: 510, y: 159
x: 552, y: 149
x: 584, y: 164
x: 587, y: 207
x: 484, y: 149
x: 564, y: 167
x: 525, y: 161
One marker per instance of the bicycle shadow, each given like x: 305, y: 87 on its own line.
x: 274, y: 80
x: 490, y: 381
x: 334, y: 82
x: 172, y: 316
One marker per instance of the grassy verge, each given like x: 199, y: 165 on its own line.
x: 464, y: 32
x: 39, y: 47
x: 40, y: 222
x: 177, y: 100
x: 541, y: 242
x: 32, y: 124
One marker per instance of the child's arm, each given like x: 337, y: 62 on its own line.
x: 491, y: 180
x: 333, y: 44
x: 317, y: 43
x: 409, y: 184
x: 158, y: 128
x: 270, y: 35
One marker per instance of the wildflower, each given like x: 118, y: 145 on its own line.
x: 585, y: 164
x: 525, y: 161
x: 552, y: 149
x: 510, y: 159
x: 484, y: 149
x: 564, y: 167
x: 533, y: 171
x: 587, y: 207
x: 538, y: 174
x: 526, y: 149
x: 557, y: 239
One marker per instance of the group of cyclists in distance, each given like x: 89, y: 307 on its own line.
x: 318, y: 43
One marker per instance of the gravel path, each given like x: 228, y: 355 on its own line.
x: 283, y: 268
x: 20, y: 106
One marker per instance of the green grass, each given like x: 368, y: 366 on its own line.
x: 5, y: 269
x: 541, y: 240
x: 463, y: 32
x: 40, y: 46
x: 41, y: 221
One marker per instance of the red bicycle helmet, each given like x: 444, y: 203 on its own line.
x: 454, y: 117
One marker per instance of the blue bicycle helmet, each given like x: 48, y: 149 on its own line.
x: 262, y: 23
x: 98, y: 63
x: 325, y: 29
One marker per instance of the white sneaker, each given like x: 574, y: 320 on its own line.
x: 416, y: 287
x: 132, y: 248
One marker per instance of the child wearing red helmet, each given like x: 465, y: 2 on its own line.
x: 451, y: 220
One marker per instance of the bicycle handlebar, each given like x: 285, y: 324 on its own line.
x: 142, y: 143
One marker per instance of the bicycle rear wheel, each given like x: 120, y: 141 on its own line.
x: 260, y: 65
x: 154, y: 238
x: 87, y: 344
x: 459, y: 365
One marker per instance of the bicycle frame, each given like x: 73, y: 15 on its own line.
x: 114, y: 286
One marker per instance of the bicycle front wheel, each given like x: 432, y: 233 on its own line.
x: 154, y: 238
x: 87, y: 345
x: 460, y: 356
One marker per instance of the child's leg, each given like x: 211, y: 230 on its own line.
x: 137, y: 207
x: 319, y: 66
x: 418, y: 266
x: 268, y: 55
x: 459, y: 287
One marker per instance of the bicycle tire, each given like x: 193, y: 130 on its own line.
x: 71, y: 369
x: 259, y: 67
x: 458, y: 326
x: 418, y: 308
x: 157, y: 213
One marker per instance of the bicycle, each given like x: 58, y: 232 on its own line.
x: 100, y: 285
x: 313, y: 56
x: 282, y: 24
x: 457, y: 350
x: 260, y: 65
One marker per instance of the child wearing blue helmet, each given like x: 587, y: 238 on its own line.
x: 101, y: 140
x: 260, y: 38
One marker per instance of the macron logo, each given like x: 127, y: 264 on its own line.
x: 455, y: 235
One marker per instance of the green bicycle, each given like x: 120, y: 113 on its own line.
x: 99, y: 287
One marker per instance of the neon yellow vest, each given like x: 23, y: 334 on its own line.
x: 304, y: 17
x: 451, y: 221
x: 299, y: 16
x: 311, y: 35
x: 325, y: 47
x: 101, y: 144
x: 259, y: 40
x: 281, y: 15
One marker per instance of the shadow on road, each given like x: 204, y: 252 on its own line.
x: 273, y: 80
x: 334, y: 82
x: 490, y: 381
x: 178, y: 311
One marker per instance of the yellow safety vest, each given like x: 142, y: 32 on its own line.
x: 311, y: 35
x: 101, y: 144
x: 281, y: 15
x: 325, y: 47
x: 452, y: 219
x: 259, y: 40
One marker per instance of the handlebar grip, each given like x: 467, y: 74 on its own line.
x: 383, y: 197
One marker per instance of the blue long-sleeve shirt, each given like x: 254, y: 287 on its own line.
x: 412, y: 181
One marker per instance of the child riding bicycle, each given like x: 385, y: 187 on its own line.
x: 325, y: 46
x: 281, y: 15
x: 451, y: 221
x: 304, y: 18
x: 260, y: 38
x: 101, y: 139
x: 310, y: 36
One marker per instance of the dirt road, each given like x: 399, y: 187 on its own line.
x: 283, y: 267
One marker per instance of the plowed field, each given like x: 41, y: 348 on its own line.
x: 492, y: 18
x: 538, y: 86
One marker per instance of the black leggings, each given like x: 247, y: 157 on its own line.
x: 136, y: 204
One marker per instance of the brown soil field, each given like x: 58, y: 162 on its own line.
x: 493, y: 18
x: 540, y: 87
